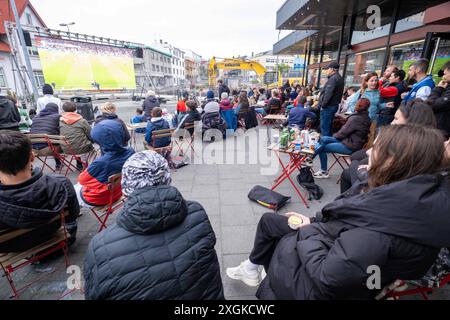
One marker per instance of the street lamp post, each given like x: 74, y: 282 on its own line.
x: 67, y: 25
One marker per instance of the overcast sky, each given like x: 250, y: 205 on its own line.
x: 221, y: 28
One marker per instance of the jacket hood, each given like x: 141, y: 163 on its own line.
x: 22, y: 214
x: 71, y: 117
x: 416, y: 209
x: 152, y: 210
x: 109, y: 134
x: 152, y: 99
x: 4, y: 101
x: 51, y: 108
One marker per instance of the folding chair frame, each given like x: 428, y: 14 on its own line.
x: 190, y: 140
x: 103, y: 213
x: 338, y: 158
x: 16, y: 262
x: 424, y: 292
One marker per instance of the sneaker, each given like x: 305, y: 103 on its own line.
x: 321, y: 175
x: 240, y: 273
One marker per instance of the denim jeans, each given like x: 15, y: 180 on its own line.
x: 326, y: 119
x: 330, y: 145
x: 261, y: 111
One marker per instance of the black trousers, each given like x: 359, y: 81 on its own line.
x: 271, y: 229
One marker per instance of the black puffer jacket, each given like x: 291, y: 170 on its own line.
x: 440, y: 103
x: 9, y: 115
x: 355, y: 133
x: 34, y: 203
x: 162, y: 248
x: 213, y: 121
x: 149, y: 104
x: 399, y: 227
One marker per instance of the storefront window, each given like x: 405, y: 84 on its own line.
x: 364, y: 31
x: 406, y: 54
x: 362, y: 63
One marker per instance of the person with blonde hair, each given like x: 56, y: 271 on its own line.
x: 108, y: 111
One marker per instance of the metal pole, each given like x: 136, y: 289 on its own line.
x: 433, y: 59
x: 341, y: 38
x: 395, y: 15
x: 25, y: 51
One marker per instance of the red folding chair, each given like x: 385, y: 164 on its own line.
x: 43, y: 154
x: 397, y: 290
x: 103, y: 213
x: 11, y: 262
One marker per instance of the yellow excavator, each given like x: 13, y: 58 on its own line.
x: 232, y: 64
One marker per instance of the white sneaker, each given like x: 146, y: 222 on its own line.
x: 308, y: 163
x: 321, y: 175
x: 240, y: 273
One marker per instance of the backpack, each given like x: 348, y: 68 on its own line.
x: 306, y: 180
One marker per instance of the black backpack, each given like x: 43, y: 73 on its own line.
x: 306, y: 180
x: 268, y: 198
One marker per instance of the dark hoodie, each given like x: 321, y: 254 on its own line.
x: 149, y: 104
x: 115, y: 117
x: 162, y: 248
x: 109, y: 136
x: 33, y: 203
x: 46, y: 122
x: 399, y: 227
x: 9, y: 115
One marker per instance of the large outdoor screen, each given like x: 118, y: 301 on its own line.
x: 71, y: 65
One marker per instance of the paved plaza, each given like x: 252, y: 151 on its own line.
x: 222, y: 190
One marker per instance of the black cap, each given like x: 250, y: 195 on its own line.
x: 332, y: 65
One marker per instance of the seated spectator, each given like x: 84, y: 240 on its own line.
x: 77, y: 132
x: 298, y: 115
x: 212, y: 119
x: 32, y: 114
x: 48, y: 97
x: 174, y: 235
x: 47, y: 122
x: 157, y: 123
x: 92, y: 189
x: 380, y: 222
x: 413, y: 112
x: 28, y: 198
x: 192, y: 117
x: 139, y: 118
x: 109, y: 113
x: 274, y: 105
x: 352, y: 137
x: 9, y: 115
x: 168, y: 117
x: 350, y: 96
x: 225, y: 103
x: 439, y: 101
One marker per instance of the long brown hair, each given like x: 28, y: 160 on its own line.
x: 366, y: 80
x: 405, y: 151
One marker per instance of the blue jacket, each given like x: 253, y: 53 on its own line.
x: 374, y: 96
x: 156, y: 125
x: 298, y: 116
x: 426, y: 82
x: 139, y: 119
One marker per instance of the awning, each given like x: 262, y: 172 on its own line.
x: 288, y: 42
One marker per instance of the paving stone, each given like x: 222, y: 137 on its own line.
x: 241, y: 215
x: 238, y: 239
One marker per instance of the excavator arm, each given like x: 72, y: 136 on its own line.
x: 233, y: 64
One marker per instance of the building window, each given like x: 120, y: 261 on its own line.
x: 410, y: 22
x: 29, y: 19
x: 3, y: 82
x: 362, y: 63
x: 161, y: 58
x: 153, y: 67
x: 406, y: 54
x: 39, y: 77
x: 157, y: 68
x: 32, y: 51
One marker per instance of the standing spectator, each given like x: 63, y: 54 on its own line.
x: 92, y: 189
x: 385, y: 79
x: 77, y: 132
x: 370, y: 90
x: 151, y: 101
x: 424, y: 83
x: 391, y: 95
x: 223, y: 88
x: 330, y: 98
x: 352, y: 137
x: 9, y: 115
x: 48, y: 97
x: 162, y: 247
x: 28, y: 198
x: 439, y: 101
x: 47, y: 122
x: 109, y: 112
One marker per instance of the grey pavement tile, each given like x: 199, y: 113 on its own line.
x: 202, y: 192
x: 240, y: 215
x: 211, y: 206
x: 232, y: 185
x: 204, y: 180
x: 234, y: 197
x: 238, y: 239
x: 216, y: 224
